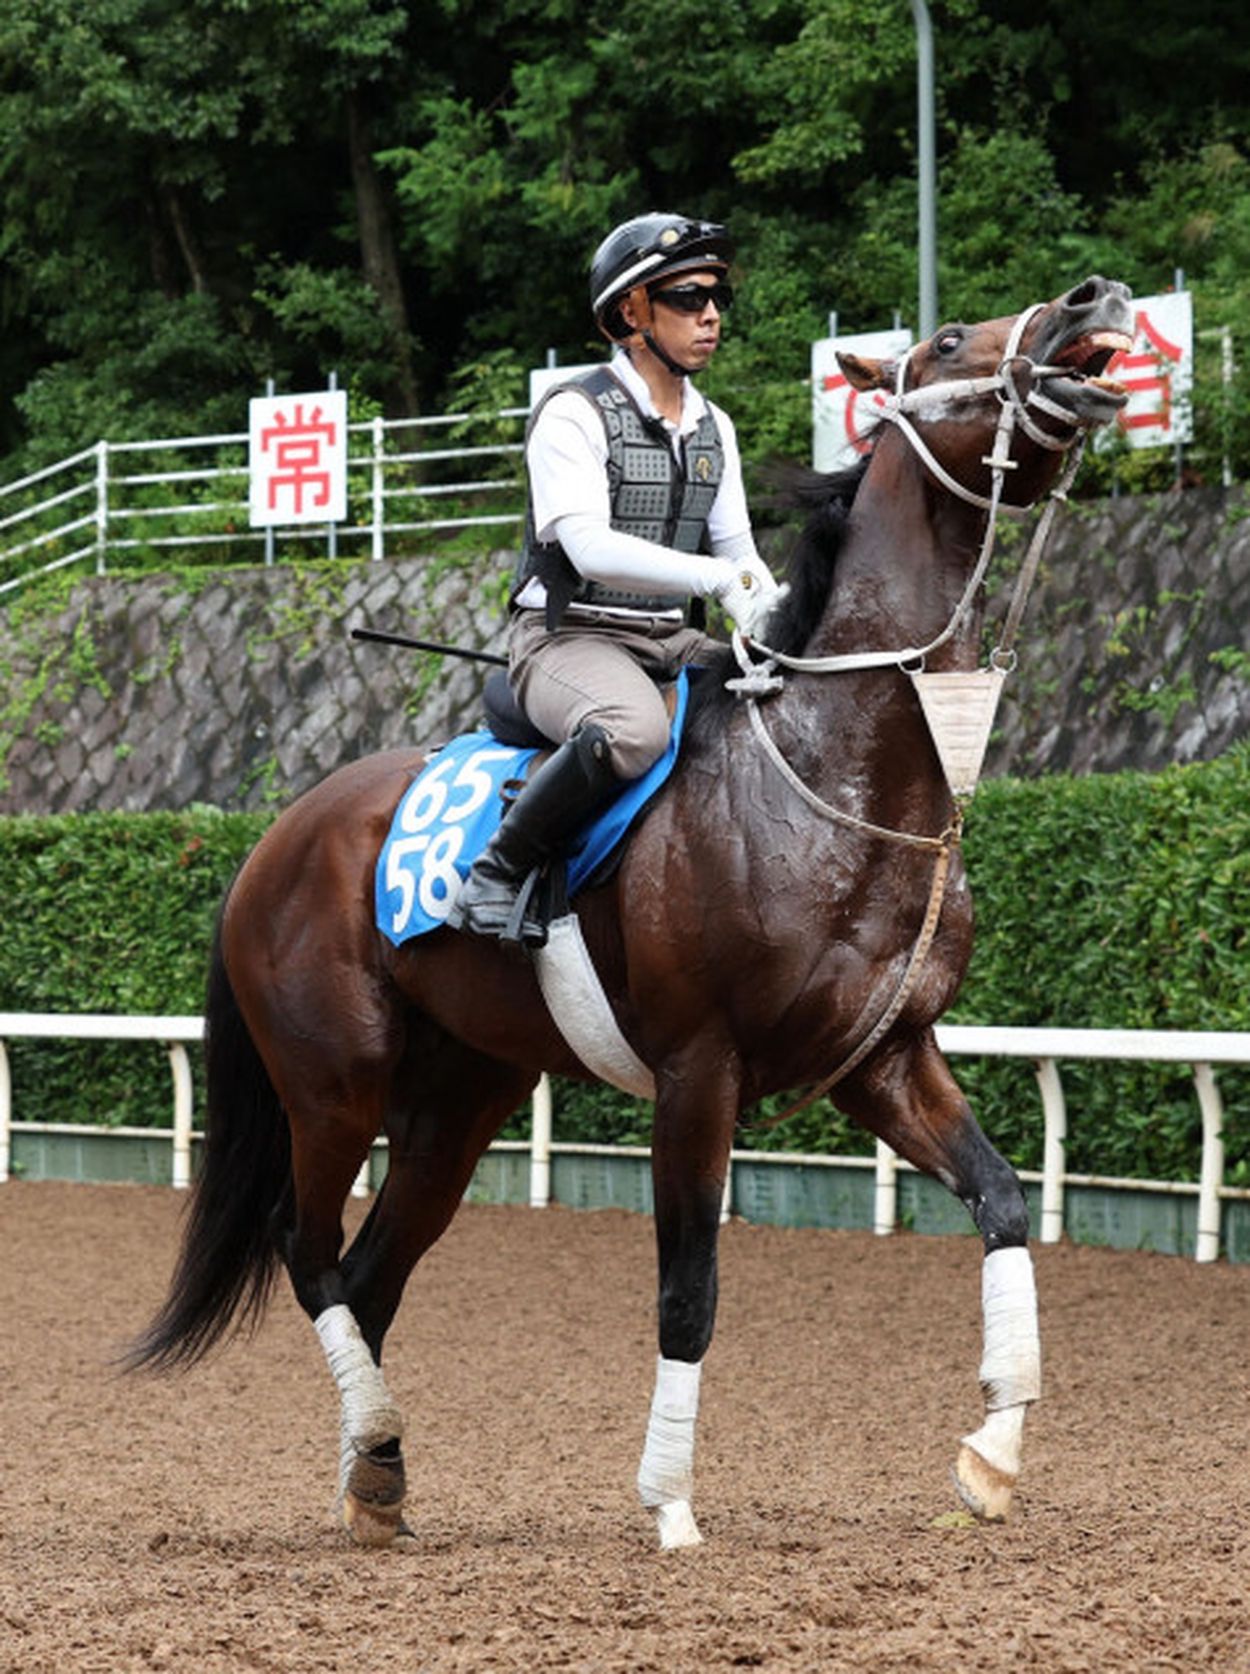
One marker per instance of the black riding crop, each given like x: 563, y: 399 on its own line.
x: 429, y: 645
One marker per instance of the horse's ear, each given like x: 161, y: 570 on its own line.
x: 864, y: 374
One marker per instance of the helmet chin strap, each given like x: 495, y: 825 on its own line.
x: 663, y: 355
x: 642, y: 308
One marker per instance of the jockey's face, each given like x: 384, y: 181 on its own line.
x: 691, y: 337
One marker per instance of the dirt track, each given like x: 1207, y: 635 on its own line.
x: 184, y: 1525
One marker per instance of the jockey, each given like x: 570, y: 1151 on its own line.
x: 636, y: 505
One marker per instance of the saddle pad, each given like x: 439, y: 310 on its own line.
x: 447, y: 816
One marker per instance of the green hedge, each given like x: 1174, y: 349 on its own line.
x: 109, y: 913
x: 1115, y: 901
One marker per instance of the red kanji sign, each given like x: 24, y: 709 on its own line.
x: 1157, y: 372
x: 842, y: 418
x: 298, y: 458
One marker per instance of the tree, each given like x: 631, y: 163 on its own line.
x: 197, y: 195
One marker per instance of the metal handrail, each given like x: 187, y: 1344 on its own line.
x: 110, y: 492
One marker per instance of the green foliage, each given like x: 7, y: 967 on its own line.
x: 116, y: 916
x: 823, y: 83
x: 331, y: 311
x: 194, y: 197
x: 1117, y: 901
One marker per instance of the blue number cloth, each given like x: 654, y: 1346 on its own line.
x: 447, y: 816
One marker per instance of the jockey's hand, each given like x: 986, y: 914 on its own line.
x: 749, y: 593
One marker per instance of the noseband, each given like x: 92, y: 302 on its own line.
x: 1014, y: 411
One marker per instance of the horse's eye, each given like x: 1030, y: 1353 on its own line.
x: 946, y: 342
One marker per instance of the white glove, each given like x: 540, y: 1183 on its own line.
x: 748, y: 592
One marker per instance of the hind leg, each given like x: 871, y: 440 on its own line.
x: 695, y: 1112
x: 907, y: 1095
x: 435, y: 1140
x: 440, y: 1104
x: 332, y: 1130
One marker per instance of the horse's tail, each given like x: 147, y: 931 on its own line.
x: 229, y: 1260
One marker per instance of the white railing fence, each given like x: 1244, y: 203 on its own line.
x: 171, y: 1032
x: 404, y: 476
x: 1046, y: 1047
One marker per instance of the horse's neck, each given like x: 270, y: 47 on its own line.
x: 909, y: 553
x: 901, y: 574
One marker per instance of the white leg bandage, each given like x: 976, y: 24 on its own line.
x: 667, y: 1469
x: 370, y: 1416
x: 999, y: 1438
x: 1011, y: 1361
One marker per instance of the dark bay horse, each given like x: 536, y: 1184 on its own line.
x: 762, y: 929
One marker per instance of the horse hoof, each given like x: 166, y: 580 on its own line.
x: 373, y: 1498
x: 677, y: 1526
x: 985, y: 1490
x: 370, y: 1524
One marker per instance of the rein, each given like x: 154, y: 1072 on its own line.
x: 760, y: 679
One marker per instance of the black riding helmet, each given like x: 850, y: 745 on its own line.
x: 647, y: 248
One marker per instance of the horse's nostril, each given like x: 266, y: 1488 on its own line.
x: 1083, y: 295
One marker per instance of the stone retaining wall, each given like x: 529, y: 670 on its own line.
x: 243, y: 687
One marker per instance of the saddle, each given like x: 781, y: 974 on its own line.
x: 505, y: 717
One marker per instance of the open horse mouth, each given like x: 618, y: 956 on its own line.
x: 1089, y: 327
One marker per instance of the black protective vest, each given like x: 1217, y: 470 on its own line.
x: 651, y: 494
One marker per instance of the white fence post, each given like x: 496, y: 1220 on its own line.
x: 379, y: 445
x: 1228, y: 372
x: 1055, y: 1132
x: 184, y: 1099
x: 1211, y: 1178
x: 540, y: 1145
x: 101, y: 505
x: 885, y: 1198
x: 6, y: 1113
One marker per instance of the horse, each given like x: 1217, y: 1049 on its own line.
x: 791, y: 910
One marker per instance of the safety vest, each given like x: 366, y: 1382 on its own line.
x: 652, y: 494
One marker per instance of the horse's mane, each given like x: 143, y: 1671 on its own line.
x: 809, y: 556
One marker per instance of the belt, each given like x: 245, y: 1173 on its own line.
x: 620, y: 616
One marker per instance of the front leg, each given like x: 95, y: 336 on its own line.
x: 907, y: 1095
x: 694, y: 1122
x: 1011, y: 1379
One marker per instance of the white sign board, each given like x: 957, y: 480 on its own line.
x: 842, y: 418
x: 1157, y: 372
x: 297, y: 458
x: 543, y: 378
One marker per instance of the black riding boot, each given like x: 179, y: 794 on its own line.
x: 570, y: 786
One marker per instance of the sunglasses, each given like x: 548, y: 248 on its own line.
x: 693, y: 299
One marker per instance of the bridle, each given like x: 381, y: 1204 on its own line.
x: 1015, y: 412
x: 897, y: 409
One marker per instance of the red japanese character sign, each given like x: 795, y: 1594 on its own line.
x: 297, y: 458
x: 842, y: 417
x: 1157, y: 372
